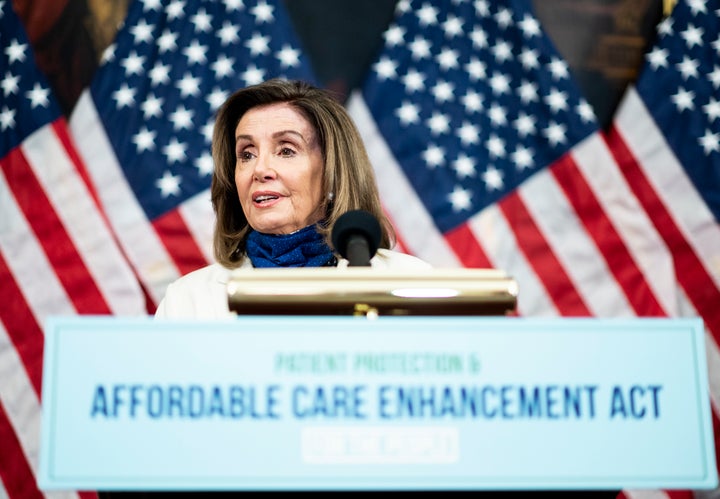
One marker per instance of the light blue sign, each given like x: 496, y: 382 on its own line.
x: 348, y: 403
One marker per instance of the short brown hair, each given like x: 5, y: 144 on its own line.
x: 348, y: 176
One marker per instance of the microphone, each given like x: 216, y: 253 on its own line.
x: 356, y: 236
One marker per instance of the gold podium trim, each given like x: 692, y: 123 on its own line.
x: 371, y: 292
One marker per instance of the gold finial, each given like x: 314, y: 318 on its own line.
x: 668, y: 6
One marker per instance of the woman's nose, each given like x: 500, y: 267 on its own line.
x: 264, y: 167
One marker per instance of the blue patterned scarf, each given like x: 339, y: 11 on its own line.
x: 303, y: 248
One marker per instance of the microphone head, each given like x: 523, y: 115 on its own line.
x: 356, y: 223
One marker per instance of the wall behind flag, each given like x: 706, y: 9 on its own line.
x: 602, y: 40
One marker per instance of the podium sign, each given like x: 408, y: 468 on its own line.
x: 393, y: 403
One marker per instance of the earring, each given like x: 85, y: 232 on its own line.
x: 330, y: 196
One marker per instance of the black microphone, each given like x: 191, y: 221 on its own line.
x: 356, y: 236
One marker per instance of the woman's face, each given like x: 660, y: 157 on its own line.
x: 278, y: 169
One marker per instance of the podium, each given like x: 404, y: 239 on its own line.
x: 361, y: 381
x: 367, y: 292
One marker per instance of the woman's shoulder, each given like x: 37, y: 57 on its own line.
x: 198, y: 294
x: 398, y: 260
x: 213, y: 273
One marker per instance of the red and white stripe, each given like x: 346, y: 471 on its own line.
x: 679, y: 214
x: 57, y: 257
x: 573, y: 236
x: 160, y: 250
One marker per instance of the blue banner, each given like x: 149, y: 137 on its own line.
x: 350, y: 403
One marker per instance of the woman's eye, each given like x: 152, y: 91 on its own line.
x: 244, y: 156
x: 287, y: 151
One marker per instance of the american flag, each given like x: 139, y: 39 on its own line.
x: 487, y: 155
x: 666, y: 138
x: 57, y: 253
x: 144, y: 127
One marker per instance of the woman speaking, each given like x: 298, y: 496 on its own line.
x: 289, y: 162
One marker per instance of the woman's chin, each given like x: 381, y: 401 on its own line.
x: 275, y: 228
x: 272, y: 224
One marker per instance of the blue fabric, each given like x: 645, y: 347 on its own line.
x: 303, y: 248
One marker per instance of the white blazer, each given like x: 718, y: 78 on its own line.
x: 202, y: 294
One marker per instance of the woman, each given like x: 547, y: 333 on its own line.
x: 289, y: 162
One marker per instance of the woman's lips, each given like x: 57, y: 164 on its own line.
x: 265, y: 198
